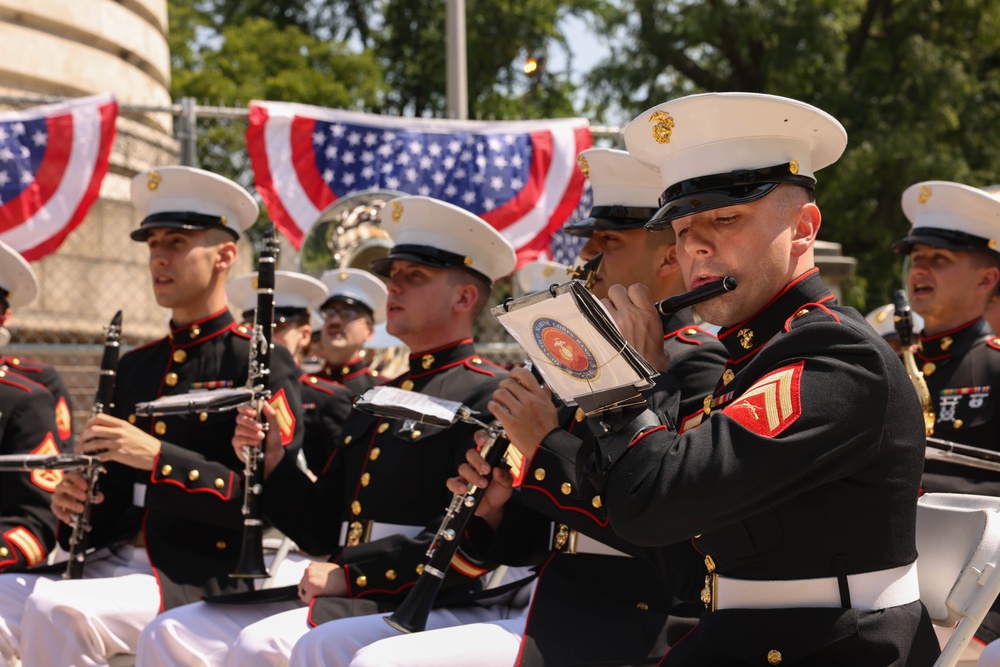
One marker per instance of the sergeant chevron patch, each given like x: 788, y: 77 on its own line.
x: 771, y: 404
x: 285, y: 416
x: 47, y: 480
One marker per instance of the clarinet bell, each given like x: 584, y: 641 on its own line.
x: 251, y: 561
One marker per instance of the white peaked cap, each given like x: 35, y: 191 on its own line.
x: 950, y: 215
x: 881, y: 321
x: 436, y: 233
x: 291, y: 290
x: 17, y: 278
x: 541, y: 274
x: 357, y: 285
x: 191, y: 199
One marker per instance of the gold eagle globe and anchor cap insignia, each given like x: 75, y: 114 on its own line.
x: 624, y: 192
x: 949, y: 215
x: 734, y: 148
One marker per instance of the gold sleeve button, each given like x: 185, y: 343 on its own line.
x: 773, y: 657
x: 221, y: 545
x: 166, y: 470
x: 566, y: 488
x: 390, y: 575
x: 160, y: 428
x: 407, y: 385
x: 540, y: 474
x: 596, y: 502
x: 361, y: 581
x: 219, y: 482
x: 348, y: 439
x: 194, y: 475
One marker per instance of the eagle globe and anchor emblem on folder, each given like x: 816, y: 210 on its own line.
x: 564, y: 349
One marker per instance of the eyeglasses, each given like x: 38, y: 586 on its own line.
x: 345, y: 313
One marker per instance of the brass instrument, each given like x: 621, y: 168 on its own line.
x: 250, y: 564
x: 903, y: 321
x: 350, y: 234
x: 79, y: 538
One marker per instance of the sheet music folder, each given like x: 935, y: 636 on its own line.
x: 573, y: 342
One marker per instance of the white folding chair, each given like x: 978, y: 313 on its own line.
x: 958, y: 547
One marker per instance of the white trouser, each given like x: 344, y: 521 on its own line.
x: 201, y: 634
x: 489, y: 636
x: 460, y: 639
x: 46, y: 620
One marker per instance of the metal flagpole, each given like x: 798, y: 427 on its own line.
x: 457, y: 84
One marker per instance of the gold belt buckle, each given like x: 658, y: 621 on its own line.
x: 358, y: 532
x: 565, y: 539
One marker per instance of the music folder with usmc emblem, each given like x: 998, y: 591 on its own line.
x: 572, y: 341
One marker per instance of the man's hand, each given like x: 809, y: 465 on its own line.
x: 525, y: 410
x: 322, y: 580
x: 112, y: 439
x: 471, y: 473
x: 634, y: 311
x: 249, y: 432
x: 69, y: 496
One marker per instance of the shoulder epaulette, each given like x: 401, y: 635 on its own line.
x: 691, y: 335
x: 994, y: 342
x: 815, y: 310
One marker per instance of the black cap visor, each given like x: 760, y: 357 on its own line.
x: 611, y: 217
x: 185, y: 220
x: 426, y: 255
x: 704, y: 193
x: 949, y: 239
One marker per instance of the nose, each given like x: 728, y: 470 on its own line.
x: 590, y: 249
x: 697, y: 240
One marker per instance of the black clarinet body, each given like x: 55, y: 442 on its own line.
x: 103, y: 401
x: 251, y: 559
x: 692, y: 297
x: 411, y: 616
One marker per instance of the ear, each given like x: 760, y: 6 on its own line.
x: 466, y: 296
x: 805, y: 229
x: 988, y: 280
x: 666, y: 261
x: 226, y: 256
x: 371, y: 330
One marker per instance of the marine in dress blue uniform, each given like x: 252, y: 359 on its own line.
x: 171, y: 516
x: 376, y: 506
x: 799, y: 486
x: 954, y: 269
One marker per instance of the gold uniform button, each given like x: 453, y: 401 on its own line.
x: 687, y: 332
x: 929, y: 368
x: 728, y: 376
x: 773, y: 657
x: 804, y: 311
x: 958, y: 423
x: 348, y: 439
x: 220, y: 545
x: 166, y: 470
x: 580, y: 415
x: 366, y: 478
x: 203, y: 416
x: 313, y: 379
x: 642, y: 606
x: 373, y: 454
x: 171, y: 379
x: 4, y: 552
x: 160, y: 428
x: 355, y: 508
x: 361, y: 581
x: 390, y: 575
x: 195, y: 331
x: 566, y: 488
x: 420, y: 569
x: 194, y: 475
x: 219, y: 482
x: 596, y: 502
x: 540, y: 474
x: 131, y: 419
x: 407, y: 385
x: 477, y: 360
x: 345, y: 370
x: 415, y: 434
x: 180, y: 356
x: 383, y: 427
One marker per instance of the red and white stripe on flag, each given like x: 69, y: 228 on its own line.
x: 52, y: 161
x: 520, y: 176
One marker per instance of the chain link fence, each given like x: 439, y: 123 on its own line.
x: 99, y: 269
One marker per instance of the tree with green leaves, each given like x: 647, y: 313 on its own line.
x: 915, y: 84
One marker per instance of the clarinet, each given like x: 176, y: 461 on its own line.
x: 103, y: 401
x: 251, y: 559
x: 411, y: 616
